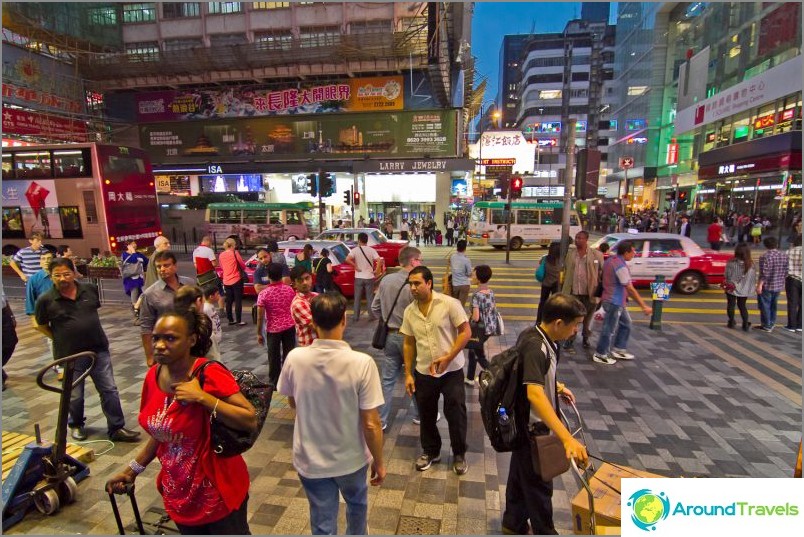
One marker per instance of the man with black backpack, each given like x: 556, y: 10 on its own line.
x: 528, y: 496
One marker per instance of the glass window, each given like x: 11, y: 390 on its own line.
x: 117, y: 168
x: 499, y: 216
x: 573, y: 220
x: 227, y: 217
x: 666, y: 248
x: 89, y: 207
x: 70, y: 222
x: 182, y: 44
x: 254, y: 217
x: 225, y: 7
x: 223, y: 40
x: 145, y: 52
x: 275, y: 217
x: 276, y: 40
x: 379, y: 237
x: 269, y: 5
x: 102, y: 16
x: 12, y: 223
x: 72, y: 163
x: 527, y: 216
x: 8, y: 166
x: 32, y: 164
x: 551, y: 216
x: 319, y: 36
x: 293, y: 217
x: 180, y: 10
x: 371, y: 27
x: 478, y: 214
x: 144, y: 12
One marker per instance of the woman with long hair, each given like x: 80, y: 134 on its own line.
x: 233, y: 269
x: 740, y: 282
x: 305, y: 258
x: 552, y: 275
x: 204, y: 494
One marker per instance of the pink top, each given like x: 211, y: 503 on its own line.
x: 276, y: 300
x: 230, y: 260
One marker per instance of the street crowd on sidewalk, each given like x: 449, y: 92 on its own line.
x: 343, y: 400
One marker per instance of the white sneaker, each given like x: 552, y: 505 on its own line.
x: 603, y: 359
x: 417, y: 421
x: 469, y: 382
x: 621, y: 354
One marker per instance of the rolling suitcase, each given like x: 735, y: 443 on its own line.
x: 157, y: 522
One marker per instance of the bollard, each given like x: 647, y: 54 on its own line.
x: 660, y: 293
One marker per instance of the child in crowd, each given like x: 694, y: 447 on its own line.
x: 212, y: 298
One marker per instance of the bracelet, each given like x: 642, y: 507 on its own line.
x: 136, y: 467
x: 214, y: 414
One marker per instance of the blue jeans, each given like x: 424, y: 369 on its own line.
x: 767, y: 302
x: 393, y: 363
x: 103, y: 378
x: 617, y: 318
x: 323, y: 497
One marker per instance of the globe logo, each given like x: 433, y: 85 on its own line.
x: 648, y: 508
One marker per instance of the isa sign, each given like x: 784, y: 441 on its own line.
x: 712, y: 506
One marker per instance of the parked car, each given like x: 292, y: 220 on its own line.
x: 387, y: 248
x: 344, y: 277
x: 679, y: 259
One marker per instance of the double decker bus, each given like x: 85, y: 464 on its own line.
x: 532, y: 223
x: 91, y: 197
x: 253, y: 224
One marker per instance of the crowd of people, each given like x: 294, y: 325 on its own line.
x: 343, y: 400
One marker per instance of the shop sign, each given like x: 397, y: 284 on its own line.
x: 626, y: 163
x: 506, y: 138
x: 764, y: 121
x: 602, y: 190
x: 357, y: 95
x: 672, y: 153
x: 542, y: 191
x: 787, y: 115
x: 545, y: 174
x: 761, y: 89
x: 547, y: 142
x: 498, y: 162
x: 414, y: 165
x: 22, y: 122
x: 29, y: 97
x: 637, y: 140
x: 400, y: 134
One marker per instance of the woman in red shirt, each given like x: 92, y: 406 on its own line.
x: 232, y: 265
x: 203, y: 493
x: 714, y: 233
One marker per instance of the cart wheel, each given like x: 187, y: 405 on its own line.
x: 68, y: 490
x: 47, y: 502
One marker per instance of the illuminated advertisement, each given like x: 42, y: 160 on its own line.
x: 31, y: 206
x: 231, y: 182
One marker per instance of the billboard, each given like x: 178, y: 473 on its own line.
x: 399, y: 134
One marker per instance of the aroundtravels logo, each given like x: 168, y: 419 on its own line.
x: 648, y: 508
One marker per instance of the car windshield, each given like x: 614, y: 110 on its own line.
x: 338, y: 253
x: 379, y: 238
x: 608, y: 239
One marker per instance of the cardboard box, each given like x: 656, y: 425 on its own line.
x: 606, y: 501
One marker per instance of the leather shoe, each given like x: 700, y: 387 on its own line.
x: 78, y: 433
x: 124, y: 435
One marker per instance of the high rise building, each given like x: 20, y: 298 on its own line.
x: 595, y: 11
x: 510, y: 73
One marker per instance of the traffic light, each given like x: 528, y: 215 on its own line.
x: 356, y: 199
x: 312, y: 185
x: 516, y: 187
x: 347, y: 197
x: 326, y: 184
x: 503, y: 183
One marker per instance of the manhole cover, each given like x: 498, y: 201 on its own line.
x: 413, y: 525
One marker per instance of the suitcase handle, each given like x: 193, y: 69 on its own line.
x: 129, y: 490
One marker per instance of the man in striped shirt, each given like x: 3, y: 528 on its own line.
x: 792, y: 286
x: 26, y: 261
x: 300, y: 307
x: 773, y: 266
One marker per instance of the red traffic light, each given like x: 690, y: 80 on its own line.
x: 516, y: 187
x: 356, y: 197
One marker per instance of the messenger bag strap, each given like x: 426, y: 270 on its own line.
x: 388, y: 319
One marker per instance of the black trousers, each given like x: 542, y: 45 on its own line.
x: 792, y: 288
x: 739, y: 301
x: 477, y: 357
x: 235, y: 523
x: 276, y: 358
x: 428, y: 390
x: 234, y: 296
x: 9, y: 336
x: 527, y: 497
x: 546, y: 292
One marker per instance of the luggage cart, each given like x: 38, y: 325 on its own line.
x: 575, y: 425
x: 44, y: 475
x: 157, y: 520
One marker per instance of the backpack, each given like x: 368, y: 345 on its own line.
x: 225, y: 441
x: 499, y: 388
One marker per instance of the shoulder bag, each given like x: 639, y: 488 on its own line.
x: 381, y: 332
x: 541, y: 271
x: 132, y: 270
x: 377, y: 267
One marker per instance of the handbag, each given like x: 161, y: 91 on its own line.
x: 548, y: 456
x: 541, y: 271
x: 729, y: 287
x: 208, y: 279
x: 381, y: 332
x: 446, y: 281
x: 478, y: 338
x: 131, y: 270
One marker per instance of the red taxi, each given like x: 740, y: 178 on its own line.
x: 387, y: 248
x: 679, y: 259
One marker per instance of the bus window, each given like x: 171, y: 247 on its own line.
x: 573, y: 220
x: 228, y: 217
x: 72, y: 163
x: 293, y: 218
x: 254, y: 217
x: 8, y: 166
x: 499, y: 216
x: 478, y: 214
x: 115, y: 168
x: 12, y: 223
x: 551, y: 216
x: 33, y: 164
x: 527, y: 216
x: 275, y: 217
x: 70, y: 222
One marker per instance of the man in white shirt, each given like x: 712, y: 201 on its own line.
x: 204, y: 260
x: 436, y: 330
x: 337, y: 434
x: 363, y: 258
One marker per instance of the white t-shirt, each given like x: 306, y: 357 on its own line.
x: 331, y: 384
x: 365, y: 267
x: 217, y: 333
